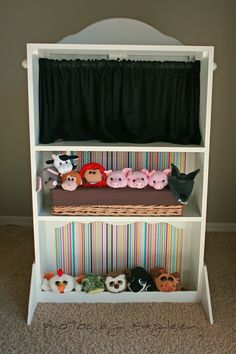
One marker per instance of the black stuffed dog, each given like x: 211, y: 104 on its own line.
x: 140, y: 280
x: 181, y: 184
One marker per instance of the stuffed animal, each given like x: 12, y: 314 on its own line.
x: 63, y: 163
x: 165, y: 282
x: 47, y: 179
x: 71, y: 180
x: 93, y: 175
x: 140, y: 280
x: 138, y: 179
x: 118, y: 179
x: 93, y: 284
x: 158, y: 179
x: 181, y: 184
x: 60, y: 283
x: 116, y: 282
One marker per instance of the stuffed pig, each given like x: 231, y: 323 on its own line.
x: 159, y: 179
x: 138, y: 179
x: 117, y: 179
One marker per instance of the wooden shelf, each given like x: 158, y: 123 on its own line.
x: 95, y: 145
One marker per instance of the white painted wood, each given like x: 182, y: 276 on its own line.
x: 100, y: 146
x: 205, y: 295
x: 193, y: 221
x: 125, y: 297
x: 120, y: 31
x: 33, y: 296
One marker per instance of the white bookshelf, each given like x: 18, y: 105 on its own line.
x: 193, y: 221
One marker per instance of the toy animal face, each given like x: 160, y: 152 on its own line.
x: 137, y: 179
x: 166, y: 282
x: 62, y: 284
x: 139, y: 280
x: 93, y: 176
x: 181, y: 184
x: 71, y: 180
x: 159, y: 179
x: 116, y: 284
x: 63, y: 163
x: 117, y: 179
x: 49, y: 180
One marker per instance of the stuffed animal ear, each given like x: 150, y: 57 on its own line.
x: 108, y: 172
x: 53, y: 171
x: 151, y: 173
x: 145, y: 171
x: 39, y: 183
x: 126, y: 170
x: 156, y: 272
x: 193, y: 174
x: 167, y: 171
x: 49, y: 162
x: 175, y: 170
x: 73, y: 157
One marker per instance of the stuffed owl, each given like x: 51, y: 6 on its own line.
x: 116, y: 282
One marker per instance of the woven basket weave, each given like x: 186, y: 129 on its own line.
x: 119, y: 210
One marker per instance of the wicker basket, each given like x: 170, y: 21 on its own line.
x: 115, y: 202
x: 119, y: 210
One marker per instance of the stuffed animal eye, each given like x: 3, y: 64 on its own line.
x: 142, y: 179
x: 111, y: 179
x: 90, y: 172
x: 65, y: 282
x: 133, y: 180
x: 163, y: 278
x: 154, y: 181
x: 60, y: 163
x: 163, y: 180
x: 58, y: 283
x: 119, y: 179
x: 73, y: 179
x: 171, y: 279
x: 120, y: 282
x: 111, y: 283
x: 142, y: 282
x: 66, y: 161
x: 94, y: 172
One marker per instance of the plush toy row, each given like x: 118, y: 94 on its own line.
x: 62, y: 172
x: 136, y: 280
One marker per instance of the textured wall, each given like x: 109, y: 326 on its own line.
x: 204, y: 22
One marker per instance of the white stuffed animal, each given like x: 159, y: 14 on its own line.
x: 60, y: 283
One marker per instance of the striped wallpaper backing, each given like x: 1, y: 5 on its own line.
x: 135, y: 160
x: 100, y: 248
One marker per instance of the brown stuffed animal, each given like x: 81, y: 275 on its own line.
x: 71, y: 180
x: 164, y: 281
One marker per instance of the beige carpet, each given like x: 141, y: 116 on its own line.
x: 118, y: 328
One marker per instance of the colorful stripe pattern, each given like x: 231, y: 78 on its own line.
x: 135, y: 160
x: 100, y: 248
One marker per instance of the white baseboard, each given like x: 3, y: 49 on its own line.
x: 16, y: 220
x: 27, y: 221
x: 221, y: 227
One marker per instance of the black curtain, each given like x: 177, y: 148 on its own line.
x: 119, y: 101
